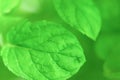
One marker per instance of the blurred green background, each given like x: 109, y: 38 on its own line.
x: 103, y: 55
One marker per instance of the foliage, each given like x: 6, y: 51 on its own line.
x: 52, y: 39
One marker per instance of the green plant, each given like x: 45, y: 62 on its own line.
x: 41, y: 37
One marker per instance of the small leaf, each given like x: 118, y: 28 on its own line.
x: 42, y: 51
x: 80, y: 14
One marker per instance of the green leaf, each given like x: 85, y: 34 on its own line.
x: 42, y: 51
x: 80, y: 14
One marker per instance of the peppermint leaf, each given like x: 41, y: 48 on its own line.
x: 80, y: 14
x: 42, y: 51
